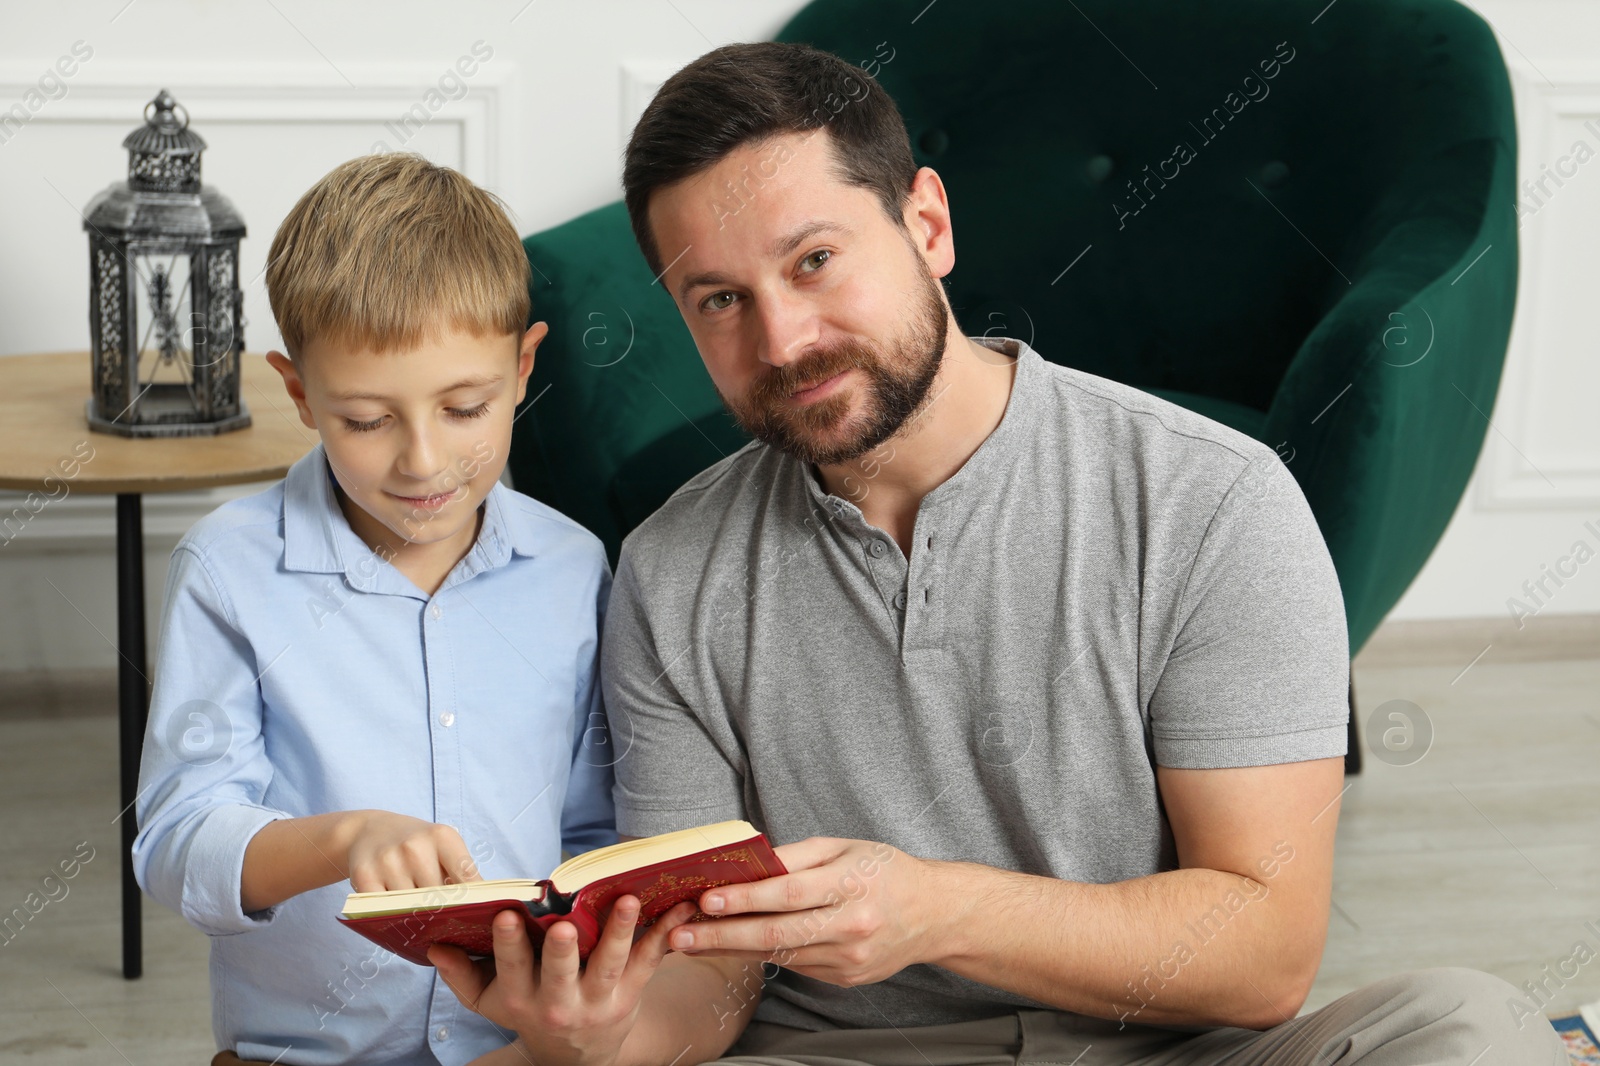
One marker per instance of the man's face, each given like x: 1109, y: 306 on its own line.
x: 817, y: 316
x: 415, y: 439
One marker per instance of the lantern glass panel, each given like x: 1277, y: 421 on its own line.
x: 167, y: 327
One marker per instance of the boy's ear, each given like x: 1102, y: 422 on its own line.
x: 293, y: 384
x: 530, y: 344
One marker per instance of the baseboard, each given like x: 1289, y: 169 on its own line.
x: 1430, y: 642
x: 84, y: 693
x: 58, y: 693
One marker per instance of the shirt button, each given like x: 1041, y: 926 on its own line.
x: 442, y: 1033
x: 447, y: 719
x: 900, y: 600
x: 877, y: 548
x: 436, y: 611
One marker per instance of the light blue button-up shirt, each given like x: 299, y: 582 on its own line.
x: 300, y: 673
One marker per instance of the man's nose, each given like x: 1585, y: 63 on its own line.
x: 788, y: 327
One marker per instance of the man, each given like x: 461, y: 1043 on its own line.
x: 1038, y: 680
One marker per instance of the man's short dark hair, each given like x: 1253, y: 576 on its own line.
x: 746, y: 93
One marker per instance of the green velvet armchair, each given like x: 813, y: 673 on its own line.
x: 1291, y: 216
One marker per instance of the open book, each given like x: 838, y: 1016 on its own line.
x: 662, y: 871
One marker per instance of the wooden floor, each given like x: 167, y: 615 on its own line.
x: 1484, y: 852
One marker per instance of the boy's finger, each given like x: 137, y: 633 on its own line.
x: 610, y: 956
x: 454, y: 858
x: 513, y: 958
x: 458, y: 973
x: 558, y: 962
x: 652, y: 946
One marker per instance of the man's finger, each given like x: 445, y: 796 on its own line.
x: 610, y: 956
x: 810, y: 852
x: 803, y: 890
x: 760, y: 934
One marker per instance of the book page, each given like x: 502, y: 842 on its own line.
x: 601, y: 863
x: 411, y: 900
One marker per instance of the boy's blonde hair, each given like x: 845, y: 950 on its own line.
x: 386, y: 250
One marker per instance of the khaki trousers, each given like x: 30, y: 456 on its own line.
x: 1440, y: 1017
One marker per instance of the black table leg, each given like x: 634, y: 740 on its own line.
x: 133, y: 707
x: 1352, y: 755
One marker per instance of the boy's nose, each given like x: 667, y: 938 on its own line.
x: 423, y: 459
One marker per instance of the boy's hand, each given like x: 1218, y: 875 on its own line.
x: 563, y: 1015
x: 389, y: 851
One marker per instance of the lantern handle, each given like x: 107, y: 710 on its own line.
x: 172, y: 109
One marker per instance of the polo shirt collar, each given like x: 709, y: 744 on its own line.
x: 1019, y: 407
x: 318, y: 539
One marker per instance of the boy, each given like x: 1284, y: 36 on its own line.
x: 380, y: 673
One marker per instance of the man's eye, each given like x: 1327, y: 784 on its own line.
x: 471, y: 412
x: 716, y: 302
x: 818, y: 257
x: 363, y: 427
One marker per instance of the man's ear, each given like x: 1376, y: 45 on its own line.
x: 530, y: 345
x: 293, y: 384
x: 927, y: 219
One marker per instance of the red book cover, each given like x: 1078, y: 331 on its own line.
x: 661, y: 885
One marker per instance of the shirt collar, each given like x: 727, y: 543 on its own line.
x: 318, y: 539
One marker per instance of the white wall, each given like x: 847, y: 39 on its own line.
x: 282, y: 92
x: 1535, y: 494
x: 542, y: 121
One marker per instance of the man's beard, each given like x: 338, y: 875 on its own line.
x: 895, y: 389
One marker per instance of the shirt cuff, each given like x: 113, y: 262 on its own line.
x: 214, y: 870
x: 1219, y: 753
x: 645, y: 822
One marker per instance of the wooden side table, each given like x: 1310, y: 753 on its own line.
x: 44, y: 434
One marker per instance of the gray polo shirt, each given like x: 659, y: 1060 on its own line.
x: 1109, y: 583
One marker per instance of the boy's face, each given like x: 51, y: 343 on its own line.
x: 416, y: 439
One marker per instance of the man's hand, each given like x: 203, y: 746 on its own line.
x: 564, y: 1016
x: 849, y: 912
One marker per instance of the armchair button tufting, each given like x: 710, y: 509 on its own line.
x: 1274, y: 174
x: 1098, y: 168
x: 933, y: 142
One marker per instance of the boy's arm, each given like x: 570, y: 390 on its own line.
x: 204, y: 769
x: 375, y: 850
x: 208, y: 847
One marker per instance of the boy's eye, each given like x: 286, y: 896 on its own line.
x: 363, y: 427
x: 471, y: 412
x: 713, y: 302
x: 819, y: 257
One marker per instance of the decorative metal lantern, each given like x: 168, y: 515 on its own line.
x: 165, y: 309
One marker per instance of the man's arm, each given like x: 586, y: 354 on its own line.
x: 1234, y: 937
